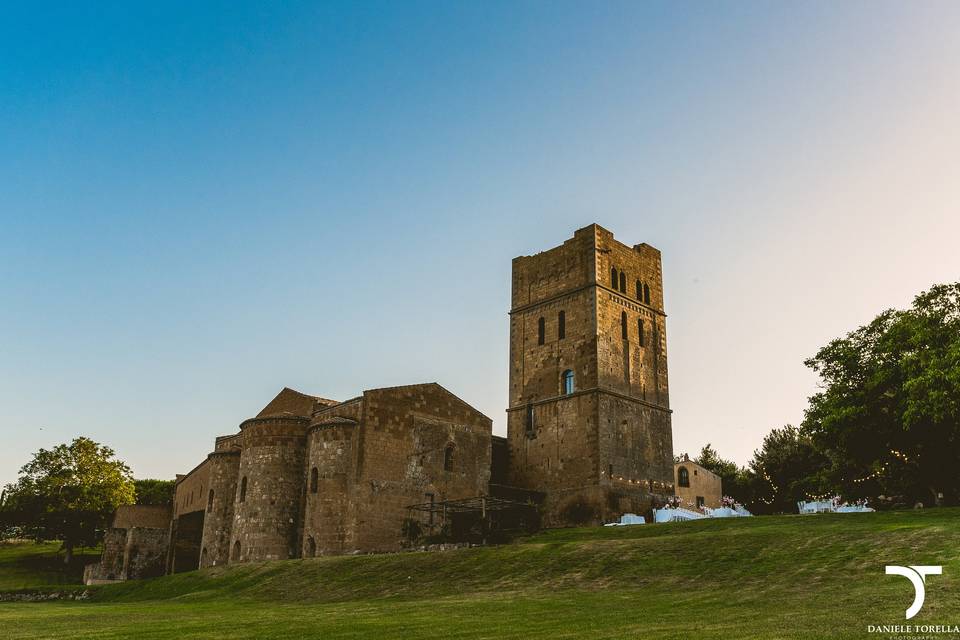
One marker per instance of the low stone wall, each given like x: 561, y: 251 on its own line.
x: 138, y: 552
x: 43, y: 596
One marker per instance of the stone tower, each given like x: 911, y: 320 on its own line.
x: 589, y: 417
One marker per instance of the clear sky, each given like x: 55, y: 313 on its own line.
x: 201, y: 203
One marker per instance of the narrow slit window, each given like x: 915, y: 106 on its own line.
x: 640, y: 335
x: 243, y: 490
x: 623, y: 324
x: 314, y: 480
x: 646, y: 293
x: 613, y: 277
x: 562, y: 325
x: 448, y: 458
x: 623, y: 282
x: 639, y: 291
x: 541, y: 331
x: 568, y: 383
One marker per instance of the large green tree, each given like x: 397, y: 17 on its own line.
x: 736, y: 481
x: 68, y: 493
x: 888, y: 414
x: 787, y: 469
x: 154, y: 492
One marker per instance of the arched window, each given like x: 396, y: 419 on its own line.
x: 613, y: 277
x: 623, y: 281
x: 639, y: 291
x: 567, y: 381
x: 562, y: 325
x: 311, y: 547
x: 204, y: 557
x: 541, y: 331
x: 243, y: 490
x: 640, y: 332
x: 683, y: 477
x: 448, y: 458
x: 314, y: 480
x: 236, y: 552
x: 623, y: 324
x: 210, y: 501
x: 646, y: 293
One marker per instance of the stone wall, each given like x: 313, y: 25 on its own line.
x: 407, y: 435
x: 110, y: 567
x: 186, y: 536
x: 331, y: 460
x: 224, y: 469
x: 499, y: 460
x: 129, y: 554
x: 186, y: 529
x: 142, y: 515
x: 190, y: 493
x: 703, y: 484
x: 270, y: 485
x: 635, y: 444
x: 146, y: 552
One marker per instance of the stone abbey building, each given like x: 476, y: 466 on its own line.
x: 588, y: 427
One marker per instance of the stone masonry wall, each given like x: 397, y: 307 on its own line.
x: 130, y: 553
x: 110, y: 566
x: 703, y: 483
x: 403, y: 441
x: 265, y: 525
x: 328, y: 515
x: 146, y: 552
x: 191, y: 490
x: 224, y: 471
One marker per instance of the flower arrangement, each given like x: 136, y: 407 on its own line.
x: 673, y: 503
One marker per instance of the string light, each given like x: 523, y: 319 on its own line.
x: 873, y: 475
x: 772, y: 487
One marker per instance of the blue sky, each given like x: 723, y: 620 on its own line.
x: 200, y: 205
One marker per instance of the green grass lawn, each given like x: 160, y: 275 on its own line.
x: 25, y: 565
x: 773, y: 577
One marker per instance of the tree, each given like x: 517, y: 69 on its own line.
x: 786, y: 469
x: 154, y: 492
x: 68, y: 493
x: 888, y: 414
x: 735, y: 480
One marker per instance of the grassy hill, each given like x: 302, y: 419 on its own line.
x: 783, y: 577
x: 25, y: 565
